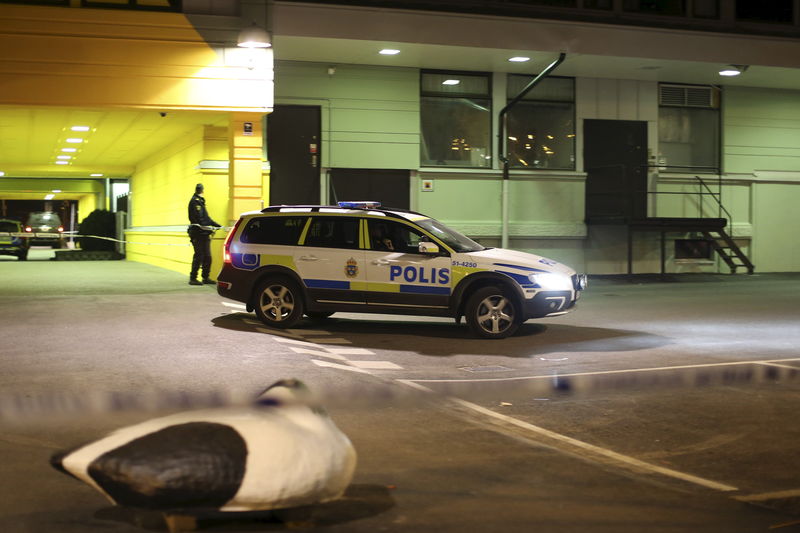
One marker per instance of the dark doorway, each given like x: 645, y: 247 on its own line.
x: 615, y: 159
x: 389, y: 187
x: 293, y: 150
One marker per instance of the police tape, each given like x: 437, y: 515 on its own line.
x: 27, y: 407
x: 43, y: 235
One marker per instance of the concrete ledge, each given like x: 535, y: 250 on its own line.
x: 87, y: 255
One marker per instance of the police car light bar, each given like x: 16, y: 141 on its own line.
x: 359, y: 205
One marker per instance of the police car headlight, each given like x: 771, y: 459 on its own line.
x: 552, y: 282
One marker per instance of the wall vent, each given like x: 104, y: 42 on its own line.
x: 688, y: 96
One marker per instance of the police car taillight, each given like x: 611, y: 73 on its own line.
x: 226, y: 248
x: 28, y: 229
x: 61, y: 229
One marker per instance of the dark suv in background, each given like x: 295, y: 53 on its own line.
x: 13, y: 245
x: 47, y: 229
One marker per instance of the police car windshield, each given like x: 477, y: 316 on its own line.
x: 455, y: 240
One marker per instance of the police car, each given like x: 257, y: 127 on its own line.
x: 287, y: 261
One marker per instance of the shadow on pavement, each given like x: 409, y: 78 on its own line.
x: 415, y: 335
x: 358, y: 502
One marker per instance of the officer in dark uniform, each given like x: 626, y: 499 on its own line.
x: 200, y: 228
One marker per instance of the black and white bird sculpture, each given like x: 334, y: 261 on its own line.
x: 279, y: 453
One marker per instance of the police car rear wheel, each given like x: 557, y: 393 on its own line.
x: 491, y: 314
x: 278, y: 303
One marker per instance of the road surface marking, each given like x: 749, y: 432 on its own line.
x: 376, y: 365
x: 583, y: 449
x: 340, y: 367
x: 774, y: 362
x: 318, y: 353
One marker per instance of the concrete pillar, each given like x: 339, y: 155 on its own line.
x: 245, y: 156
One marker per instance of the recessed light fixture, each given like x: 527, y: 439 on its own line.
x: 80, y: 128
x: 56, y: 190
x: 451, y: 82
x: 63, y: 157
x: 519, y: 59
x: 732, y: 70
x: 96, y: 175
x: 69, y: 150
x: 2, y: 173
x: 62, y: 162
x: 49, y: 196
x: 254, y: 37
x: 74, y: 140
x: 389, y: 52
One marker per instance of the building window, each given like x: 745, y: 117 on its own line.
x: 706, y: 9
x: 656, y: 7
x: 541, y: 127
x: 688, y: 128
x: 780, y: 11
x: 455, y: 110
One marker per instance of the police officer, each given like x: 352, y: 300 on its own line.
x: 200, y: 228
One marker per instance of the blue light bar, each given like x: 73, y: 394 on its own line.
x: 359, y: 205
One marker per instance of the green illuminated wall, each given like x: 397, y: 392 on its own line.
x: 370, y: 115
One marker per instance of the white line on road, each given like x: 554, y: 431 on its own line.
x: 318, y: 353
x: 350, y: 351
x: 794, y: 493
x: 235, y: 306
x: 340, y: 367
x: 774, y: 362
x: 376, y: 365
x: 588, y: 449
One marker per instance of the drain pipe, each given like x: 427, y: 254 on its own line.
x: 501, y: 141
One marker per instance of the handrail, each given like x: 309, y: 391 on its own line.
x: 716, y: 199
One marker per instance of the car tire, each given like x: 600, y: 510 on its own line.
x: 492, y: 314
x: 278, y: 302
x: 319, y: 315
x: 23, y: 256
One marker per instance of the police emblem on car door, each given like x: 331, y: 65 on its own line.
x: 398, y: 274
x: 328, y: 259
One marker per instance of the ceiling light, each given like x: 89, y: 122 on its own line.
x: 2, y: 173
x: 69, y: 150
x: 74, y: 140
x: 56, y: 190
x: 519, y: 59
x: 62, y: 162
x: 732, y: 70
x: 451, y: 82
x: 49, y: 196
x: 80, y: 128
x: 389, y: 52
x: 63, y: 157
x: 96, y: 175
x: 254, y: 37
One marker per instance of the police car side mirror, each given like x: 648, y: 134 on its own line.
x: 428, y: 248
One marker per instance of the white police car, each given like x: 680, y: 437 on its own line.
x: 286, y: 261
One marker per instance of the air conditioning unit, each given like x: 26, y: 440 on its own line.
x: 688, y: 96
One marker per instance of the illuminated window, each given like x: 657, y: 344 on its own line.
x: 541, y: 126
x: 456, y: 119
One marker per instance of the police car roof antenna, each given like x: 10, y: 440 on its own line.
x: 502, y: 138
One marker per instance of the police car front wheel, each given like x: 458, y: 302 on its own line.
x: 278, y: 303
x: 491, y: 313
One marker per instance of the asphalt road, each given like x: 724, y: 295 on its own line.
x: 658, y: 405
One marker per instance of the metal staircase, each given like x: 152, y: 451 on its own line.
x: 728, y: 250
x: 634, y: 217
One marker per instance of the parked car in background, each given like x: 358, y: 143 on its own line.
x: 46, y: 228
x: 11, y: 244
